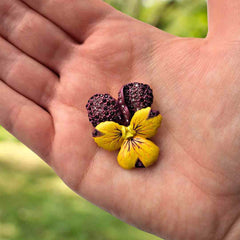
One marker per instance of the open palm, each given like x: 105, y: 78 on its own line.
x: 55, y: 55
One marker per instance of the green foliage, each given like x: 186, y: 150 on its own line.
x: 185, y: 18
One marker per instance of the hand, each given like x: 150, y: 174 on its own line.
x: 54, y: 56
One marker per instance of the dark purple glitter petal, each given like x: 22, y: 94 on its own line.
x: 135, y: 96
x: 123, y: 107
x: 153, y: 114
x: 139, y: 164
x: 96, y: 133
x: 101, y: 106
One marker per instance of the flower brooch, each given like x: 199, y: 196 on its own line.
x: 126, y: 124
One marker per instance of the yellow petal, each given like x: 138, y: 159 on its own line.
x: 108, y: 135
x: 127, y: 157
x: 144, y: 123
x: 135, y: 149
x: 148, y: 152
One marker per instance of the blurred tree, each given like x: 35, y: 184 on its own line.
x: 185, y: 18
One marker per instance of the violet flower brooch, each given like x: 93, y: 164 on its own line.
x: 126, y: 124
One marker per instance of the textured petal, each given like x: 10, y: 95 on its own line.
x: 147, y: 151
x: 146, y: 122
x: 135, y: 150
x: 127, y: 156
x: 108, y: 135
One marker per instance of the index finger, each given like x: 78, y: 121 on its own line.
x: 77, y: 18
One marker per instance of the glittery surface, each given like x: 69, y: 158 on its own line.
x: 103, y: 107
x: 133, y: 97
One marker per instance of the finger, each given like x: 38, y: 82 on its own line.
x: 25, y: 120
x: 34, y: 34
x: 224, y: 18
x: 78, y: 18
x: 26, y: 76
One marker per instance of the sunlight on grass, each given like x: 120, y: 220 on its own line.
x: 8, y: 230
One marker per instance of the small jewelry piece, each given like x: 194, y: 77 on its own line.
x: 126, y: 124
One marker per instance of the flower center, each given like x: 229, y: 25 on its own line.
x: 128, y: 132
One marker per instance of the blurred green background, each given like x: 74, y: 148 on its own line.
x: 34, y: 203
x: 184, y: 18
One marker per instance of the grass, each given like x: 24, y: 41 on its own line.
x: 5, y: 136
x: 35, y: 204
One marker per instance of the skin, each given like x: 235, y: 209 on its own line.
x: 54, y: 56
